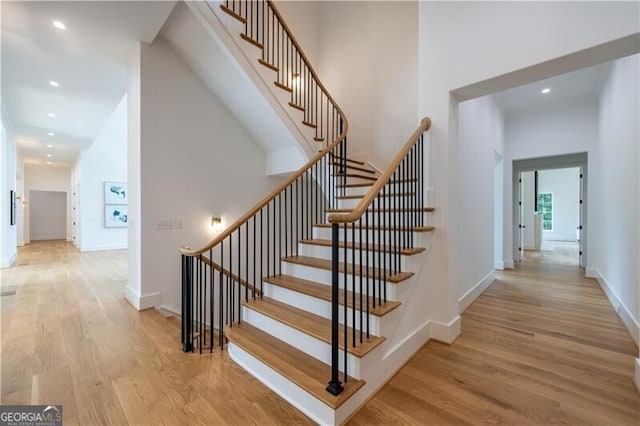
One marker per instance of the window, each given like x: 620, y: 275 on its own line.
x: 545, y: 209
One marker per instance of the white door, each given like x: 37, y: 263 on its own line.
x: 521, y: 226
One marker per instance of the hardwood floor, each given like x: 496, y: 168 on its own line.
x: 541, y: 345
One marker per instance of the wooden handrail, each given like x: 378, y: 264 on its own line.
x: 373, y: 192
x: 248, y: 215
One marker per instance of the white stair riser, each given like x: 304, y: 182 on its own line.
x: 317, y: 410
x: 322, y: 276
x: 388, y: 219
x: 302, y: 341
x: 320, y: 307
x: 324, y: 252
x: 420, y: 239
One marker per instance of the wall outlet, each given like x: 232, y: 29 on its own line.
x: 164, y: 225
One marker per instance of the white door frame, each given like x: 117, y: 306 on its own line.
x: 549, y: 163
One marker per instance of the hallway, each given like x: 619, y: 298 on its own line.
x: 541, y: 345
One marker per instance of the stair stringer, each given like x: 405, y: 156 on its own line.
x: 225, y: 31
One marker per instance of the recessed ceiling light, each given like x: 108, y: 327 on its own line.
x: 52, y: 115
x: 49, y: 146
x: 59, y: 25
x: 54, y: 83
x: 49, y: 155
x: 51, y: 134
x: 545, y: 90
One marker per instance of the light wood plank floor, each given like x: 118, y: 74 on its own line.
x: 540, y: 346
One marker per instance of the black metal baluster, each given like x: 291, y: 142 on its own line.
x: 221, y: 296
x: 345, y: 298
x: 211, y: 300
x: 353, y: 282
x: 335, y: 386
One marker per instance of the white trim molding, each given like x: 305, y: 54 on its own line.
x: 446, y: 333
x: 637, y: 375
x: 499, y: 265
x: 508, y: 264
x: 623, y: 312
x: 8, y: 263
x: 475, y: 291
x: 143, y: 302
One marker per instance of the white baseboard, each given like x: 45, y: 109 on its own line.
x: 446, y: 333
x: 101, y: 247
x: 499, y: 265
x: 623, y: 313
x: 508, y: 264
x: 141, y: 303
x: 476, y: 290
x: 7, y: 263
x: 591, y: 273
x: 48, y: 237
x: 637, y: 375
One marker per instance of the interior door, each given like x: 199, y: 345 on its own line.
x: 521, y: 226
x: 581, y: 229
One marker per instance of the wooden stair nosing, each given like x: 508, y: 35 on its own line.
x: 338, y: 158
x: 296, y: 106
x: 355, y: 175
x: 353, y: 197
x: 311, y: 324
x: 251, y: 41
x: 355, y: 185
x: 268, y: 65
x: 283, y: 87
x: 232, y: 13
x: 352, y: 167
x: 303, y: 370
x: 423, y: 209
x: 308, y: 124
x: 323, y: 292
x: 317, y: 139
x: 325, y: 264
x: 426, y: 228
x: 357, y: 246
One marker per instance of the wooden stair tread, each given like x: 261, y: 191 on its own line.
x: 311, y: 324
x: 251, y: 41
x: 303, y: 370
x: 317, y: 139
x: 296, y: 106
x: 352, y: 167
x: 268, y: 65
x: 283, y: 87
x: 315, y: 262
x: 419, y: 209
x: 355, y: 185
x: 349, y: 160
x: 375, y: 228
x: 309, y: 124
x: 358, y: 246
x: 321, y: 291
x: 232, y: 13
x: 355, y: 175
x: 353, y: 197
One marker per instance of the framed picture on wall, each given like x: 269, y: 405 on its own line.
x: 115, y: 193
x: 12, y: 207
x: 115, y: 216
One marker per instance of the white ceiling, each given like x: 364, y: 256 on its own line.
x: 581, y: 84
x: 89, y: 60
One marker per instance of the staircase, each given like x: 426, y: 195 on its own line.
x: 313, y: 290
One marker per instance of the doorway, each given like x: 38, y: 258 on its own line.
x: 47, y: 215
x: 550, y: 210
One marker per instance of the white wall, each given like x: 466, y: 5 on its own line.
x: 564, y: 184
x: 366, y: 54
x: 563, y: 128
x: 462, y: 44
x: 195, y: 160
x: 498, y: 211
x: 40, y: 177
x: 8, y: 168
x: 618, y: 224
x: 105, y: 160
x: 480, y: 137
x: 47, y: 215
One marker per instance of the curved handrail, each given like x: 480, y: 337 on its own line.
x: 314, y: 160
x: 373, y: 192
